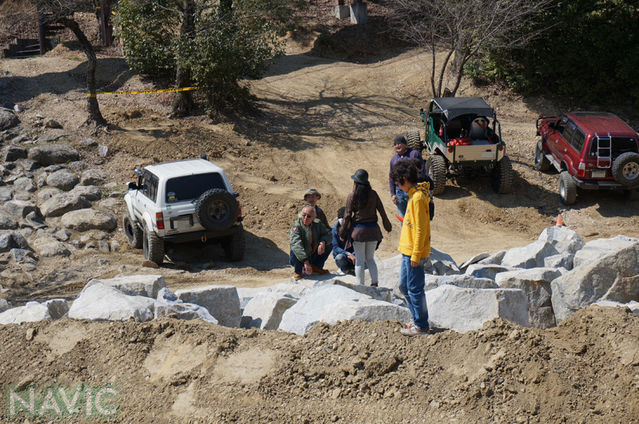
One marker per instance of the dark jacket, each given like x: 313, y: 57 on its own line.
x: 368, y: 213
x: 339, y: 246
x: 300, y: 238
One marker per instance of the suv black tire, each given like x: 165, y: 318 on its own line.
x: 503, y: 176
x: 216, y: 209
x: 414, y: 142
x: 625, y: 169
x: 437, y: 172
x: 153, y: 247
x: 567, y: 188
x: 234, y: 246
x: 541, y: 161
x: 132, y: 232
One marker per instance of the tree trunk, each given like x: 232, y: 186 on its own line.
x: 92, y: 101
x: 226, y: 6
x: 183, y: 100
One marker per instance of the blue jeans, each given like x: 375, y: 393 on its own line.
x: 411, y: 284
x: 314, y: 259
x: 402, y: 201
x: 342, y: 262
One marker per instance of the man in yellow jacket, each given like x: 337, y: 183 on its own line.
x: 414, y: 245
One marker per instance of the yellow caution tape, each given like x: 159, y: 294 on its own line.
x: 165, y: 90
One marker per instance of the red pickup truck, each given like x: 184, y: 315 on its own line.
x: 590, y: 150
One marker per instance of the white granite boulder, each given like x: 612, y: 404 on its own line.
x: 535, y: 282
x: 4, y: 305
x: 480, y: 270
x: 34, y: 311
x: 613, y: 277
x: 168, y: 304
x: 265, y: 311
x: 105, y: 303
x: 364, y: 310
x: 464, y: 310
x: 222, y: 302
x: 598, y: 248
x: 530, y: 256
x: 350, y: 282
x: 563, y: 239
x: 308, y: 310
x: 93, y: 177
x: 440, y: 263
x: 632, y: 305
x: 48, y: 246
x: 148, y: 285
x: 288, y: 289
x: 459, y: 280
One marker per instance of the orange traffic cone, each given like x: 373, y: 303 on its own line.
x: 559, y: 221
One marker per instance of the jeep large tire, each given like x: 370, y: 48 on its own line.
x: 234, y: 246
x: 437, y: 172
x: 132, y: 232
x: 541, y: 161
x: 153, y: 247
x: 567, y: 188
x: 216, y: 209
x: 625, y: 169
x: 414, y: 142
x: 503, y: 176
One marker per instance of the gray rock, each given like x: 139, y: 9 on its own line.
x: 222, y: 302
x: 19, y: 208
x: 632, y: 305
x: 562, y: 260
x: 24, y: 184
x: 440, y: 263
x: 89, y: 219
x: 530, y: 256
x: 53, y: 154
x: 460, y: 280
x: 52, y: 123
x: 285, y: 289
x: 13, y: 153
x: 4, y: 305
x: 378, y: 293
x: 46, y: 193
x: 23, y: 256
x: 595, y: 249
x: 494, y: 259
x: 364, y: 310
x: 473, y: 260
x: 48, y: 246
x: 480, y: 270
x: 26, y: 165
x: 89, y: 142
x: 563, y: 239
x: 8, y: 119
x: 62, y: 203
x: 134, y: 285
x: 6, y: 193
x: 265, y: 311
x: 307, y: 312
x: 35, y: 220
x: 7, y: 222
x: 612, y: 277
x: 90, y: 192
x: 94, y: 176
x: 535, y: 282
x: 62, y: 235
x: 62, y: 179
x: 101, y: 302
x: 464, y: 310
x: 103, y: 150
x: 11, y: 240
x: 167, y: 304
x: 58, y: 308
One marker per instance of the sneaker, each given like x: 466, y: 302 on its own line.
x: 374, y: 285
x: 297, y: 276
x: 319, y: 270
x: 413, y: 331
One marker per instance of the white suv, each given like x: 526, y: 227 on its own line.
x: 183, y: 201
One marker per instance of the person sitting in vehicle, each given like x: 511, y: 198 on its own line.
x: 478, y: 129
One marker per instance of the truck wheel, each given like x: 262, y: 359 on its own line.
x: 216, y: 209
x: 437, y: 172
x: 132, y: 232
x: 503, y: 176
x: 153, y: 247
x: 234, y: 246
x: 567, y: 188
x: 414, y: 142
x: 625, y: 169
x: 541, y: 161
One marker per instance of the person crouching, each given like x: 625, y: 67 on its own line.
x: 310, y: 244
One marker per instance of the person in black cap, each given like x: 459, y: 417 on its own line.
x: 402, y: 152
x: 360, y: 215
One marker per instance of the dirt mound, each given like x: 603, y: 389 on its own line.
x: 173, y: 371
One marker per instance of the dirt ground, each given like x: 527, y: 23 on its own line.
x: 318, y: 119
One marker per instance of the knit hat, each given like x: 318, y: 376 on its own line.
x: 311, y: 191
x: 400, y: 139
x: 361, y: 177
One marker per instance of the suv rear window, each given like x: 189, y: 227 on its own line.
x: 191, y: 187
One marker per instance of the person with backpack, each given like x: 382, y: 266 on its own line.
x: 414, y: 245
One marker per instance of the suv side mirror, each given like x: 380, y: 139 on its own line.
x: 132, y: 185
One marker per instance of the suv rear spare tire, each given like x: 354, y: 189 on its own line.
x: 625, y: 169
x: 216, y: 209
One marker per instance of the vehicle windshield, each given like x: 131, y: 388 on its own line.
x: 191, y: 187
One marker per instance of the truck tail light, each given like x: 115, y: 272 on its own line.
x: 441, y: 130
x: 581, y: 166
x: 239, y: 210
x: 159, y: 220
x: 451, y: 149
x: 500, y: 147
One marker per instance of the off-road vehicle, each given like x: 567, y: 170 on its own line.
x: 590, y: 150
x: 182, y: 201
x: 463, y: 136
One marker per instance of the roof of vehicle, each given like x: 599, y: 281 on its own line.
x: 602, y: 123
x: 180, y: 168
x: 453, y: 107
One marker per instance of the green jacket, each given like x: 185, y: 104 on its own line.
x: 300, y: 238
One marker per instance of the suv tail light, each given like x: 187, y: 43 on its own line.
x: 159, y: 220
x: 239, y: 210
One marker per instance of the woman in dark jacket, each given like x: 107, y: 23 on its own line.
x: 362, y: 206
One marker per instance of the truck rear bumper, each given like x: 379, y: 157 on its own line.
x: 599, y: 185
x: 202, y: 236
